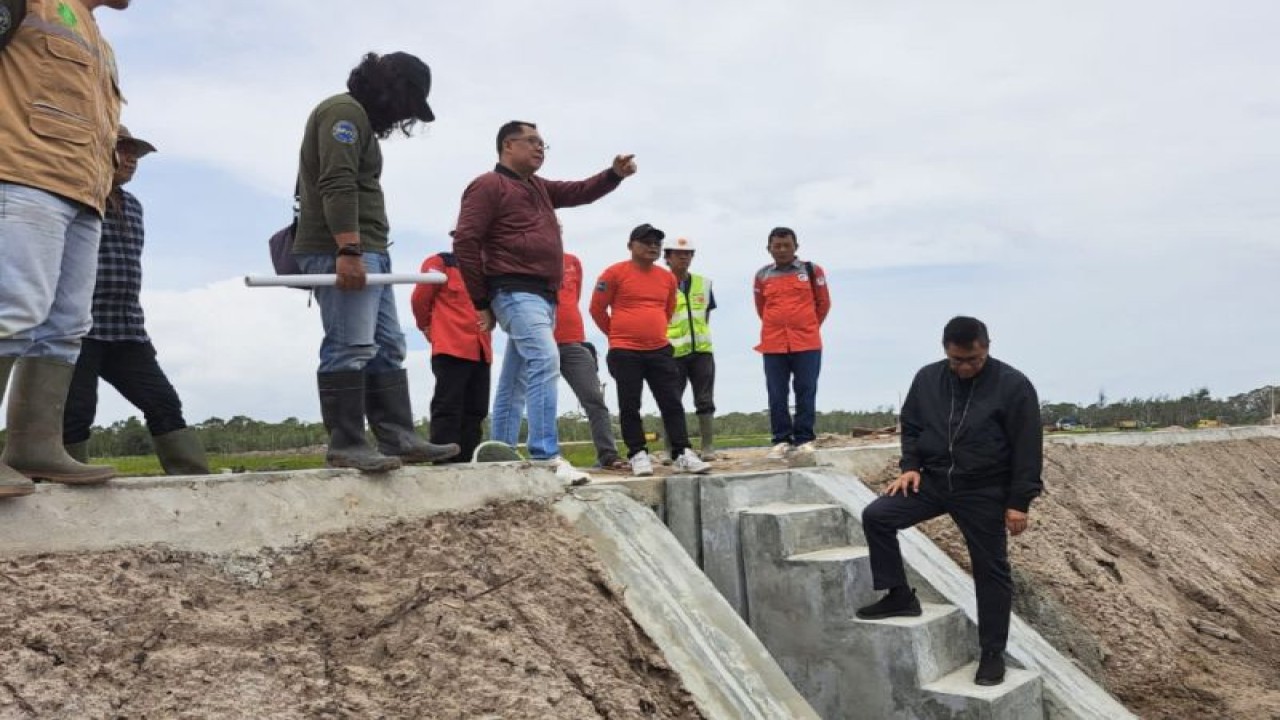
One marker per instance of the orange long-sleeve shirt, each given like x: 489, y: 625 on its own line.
x: 633, y: 304
x: 569, y: 327
x: 446, y: 316
x: 792, y: 306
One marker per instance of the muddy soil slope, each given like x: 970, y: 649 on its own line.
x: 1158, y: 569
x: 503, y: 612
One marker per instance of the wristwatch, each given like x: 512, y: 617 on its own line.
x: 352, y: 249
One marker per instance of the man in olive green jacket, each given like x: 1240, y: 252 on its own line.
x: 342, y: 229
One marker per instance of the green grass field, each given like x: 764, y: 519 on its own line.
x: 581, y: 454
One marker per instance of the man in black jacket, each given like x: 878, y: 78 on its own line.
x: 971, y: 448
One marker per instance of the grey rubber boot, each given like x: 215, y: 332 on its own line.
x: 342, y: 407
x: 386, y: 402
x: 78, y: 451
x: 181, y: 452
x: 12, y: 482
x: 706, y: 428
x: 34, y: 448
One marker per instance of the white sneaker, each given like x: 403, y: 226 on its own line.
x: 806, y: 447
x: 642, y: 464
x: 779, y: 452
x: 567, y: 472
x: 689, y: 462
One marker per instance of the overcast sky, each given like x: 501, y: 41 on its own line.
x: 1096, y: 180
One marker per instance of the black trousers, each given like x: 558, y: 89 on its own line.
x: 979, y: 513
x: 699, y: 369
x: 459, y: 403
x: 631, y: 369
x: 130, y: 368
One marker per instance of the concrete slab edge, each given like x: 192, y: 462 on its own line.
x: 245, y: 512
x: 1168, y: 437
x: 1068, y: 691
x: 724, y: 665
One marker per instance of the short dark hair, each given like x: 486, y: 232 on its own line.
x: 964, y: 331
x: 782, y: 232
x: 393, y: 91
x: 515, y: 127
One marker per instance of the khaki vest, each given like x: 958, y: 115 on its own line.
x: 59, y: 104
x: 689, y: 330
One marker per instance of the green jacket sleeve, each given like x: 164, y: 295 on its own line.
x: 342, y: 134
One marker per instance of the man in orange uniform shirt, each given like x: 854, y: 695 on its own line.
x: 792, y: 300
x: 461, y: 353
x: 632, y: 305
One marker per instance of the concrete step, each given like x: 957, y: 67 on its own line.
x: 926, y: 647
x: 956, y: 696
x: 795, y: 528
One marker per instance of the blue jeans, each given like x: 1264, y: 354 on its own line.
x: 48, y: 267
x: 801, y: 369
x: 530, y: 369
x: 361, y: 330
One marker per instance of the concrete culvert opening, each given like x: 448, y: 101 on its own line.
x: 503, y: 611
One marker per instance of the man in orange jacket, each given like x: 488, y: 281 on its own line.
x: 792, y: 301
x: 461, y: 354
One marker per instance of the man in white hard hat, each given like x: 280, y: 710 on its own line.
x: 690, y: 335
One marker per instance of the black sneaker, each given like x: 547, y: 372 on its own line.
x: 990, y: 669
x: 892, y: 605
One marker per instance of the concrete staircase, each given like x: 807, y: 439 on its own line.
x: 806, y: 570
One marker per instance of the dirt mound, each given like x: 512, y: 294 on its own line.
x: 1158, y: 569
x: 503, y: 612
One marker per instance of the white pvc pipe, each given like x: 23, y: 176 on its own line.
x: 431, y: 278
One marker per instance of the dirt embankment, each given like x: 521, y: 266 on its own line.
x: 1158, y: 569
x: 499, y: 613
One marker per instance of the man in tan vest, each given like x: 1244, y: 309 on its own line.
x: 59, y: 110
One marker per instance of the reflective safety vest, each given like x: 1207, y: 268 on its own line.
x: 689, y: 330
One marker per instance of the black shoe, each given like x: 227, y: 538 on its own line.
x: 895, y: 604
x: 990, y: 669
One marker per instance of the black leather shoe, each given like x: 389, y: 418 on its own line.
x: 892, y: 605
x: 990, y: 669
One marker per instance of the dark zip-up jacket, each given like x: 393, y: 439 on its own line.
x: 979, y: 433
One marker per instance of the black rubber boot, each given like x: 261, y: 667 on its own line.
x: 12, y: 482
x: 342, y: 407
x: 78, y: 451
x: 900, y: 602
x: 391, y: 417
x: 181, y: 452
x: 990, y: 668
x: 34, y: 446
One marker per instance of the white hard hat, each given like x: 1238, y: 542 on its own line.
x: 681, y: 243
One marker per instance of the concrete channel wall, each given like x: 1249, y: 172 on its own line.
x: 727, y: 670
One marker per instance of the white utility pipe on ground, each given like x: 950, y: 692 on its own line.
x: 431, y: 278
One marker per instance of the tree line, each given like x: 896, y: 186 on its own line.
x: 242, y: 434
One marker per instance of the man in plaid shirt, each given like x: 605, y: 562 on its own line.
x: 117, y: 348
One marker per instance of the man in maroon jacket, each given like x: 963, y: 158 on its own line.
x: 507, y: 242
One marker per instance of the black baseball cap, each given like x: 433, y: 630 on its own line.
x: 644, y: 231
x: 411, y: 68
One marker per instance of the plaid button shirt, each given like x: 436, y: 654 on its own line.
x: 117, y: 313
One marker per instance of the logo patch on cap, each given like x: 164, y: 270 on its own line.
x: 6, y: 20
x: 344, y: 131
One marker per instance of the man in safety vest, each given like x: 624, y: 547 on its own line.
x: 690, y: 337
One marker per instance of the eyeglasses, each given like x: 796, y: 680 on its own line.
x: 534, y: 141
